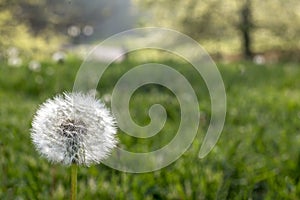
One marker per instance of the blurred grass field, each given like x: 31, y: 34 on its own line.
x: 256, y: 157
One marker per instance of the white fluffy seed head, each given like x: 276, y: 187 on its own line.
x: 74, y: 128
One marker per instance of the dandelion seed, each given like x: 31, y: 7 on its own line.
x: 74, y: 128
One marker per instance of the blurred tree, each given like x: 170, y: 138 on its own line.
x: 277, y: 24
x: 55, y: 21
x: 16, y: 31
x: 249, y: 21
x: 76, y: 19
x: 59, y: 15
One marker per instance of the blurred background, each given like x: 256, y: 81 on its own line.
x: 229, y: 29
x: 256, y: 46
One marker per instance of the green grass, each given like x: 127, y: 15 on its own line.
x: 257, y: 156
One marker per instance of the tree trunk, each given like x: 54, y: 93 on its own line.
x: 246, y: 27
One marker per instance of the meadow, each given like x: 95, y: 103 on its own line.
x: 256, y: 157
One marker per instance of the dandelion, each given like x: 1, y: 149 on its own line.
x: 74, y: 129
x: 88, y: 30
x: 34, y: 66
x: 107, y: 98
x: 14, y: 62
x: 59, y: 57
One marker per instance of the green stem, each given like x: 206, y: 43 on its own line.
x: 73, y: 182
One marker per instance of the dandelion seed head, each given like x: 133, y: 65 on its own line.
x: 74, y: 128
x: 34, y: 66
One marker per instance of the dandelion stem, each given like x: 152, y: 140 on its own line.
x: 73, y: 181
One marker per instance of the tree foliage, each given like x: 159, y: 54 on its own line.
x: 50, y: 20
x: 267, y: 24
x: 16, y: 22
